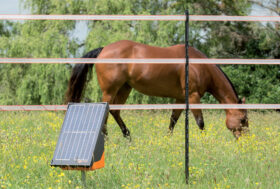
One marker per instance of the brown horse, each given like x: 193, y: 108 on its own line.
x: 163, y: 80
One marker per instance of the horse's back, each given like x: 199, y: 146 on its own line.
x: 167, y: 80
x: 131, y: 49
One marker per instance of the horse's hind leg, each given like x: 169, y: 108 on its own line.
x: 104, y: 129
x: 120, y: 98
x: 174, y: 117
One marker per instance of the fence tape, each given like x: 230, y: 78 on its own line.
x: 89, y: 61
x: 142, y: 107
x: 93, y: 17
x: 137, y: 61
x: 234, y: 61
x: 143, y: 17
x: 235, y: 18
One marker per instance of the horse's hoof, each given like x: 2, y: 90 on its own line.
x: 170, y: 132
x: 105, y: 133
x: 106, y: 138
x: 201, y: 126
x: 128, y: 138
x: 203, y: 131
x: 126, y: 135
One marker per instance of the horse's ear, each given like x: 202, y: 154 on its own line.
x: 243, y: 100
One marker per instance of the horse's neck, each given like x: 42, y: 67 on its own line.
x: 222, y: 89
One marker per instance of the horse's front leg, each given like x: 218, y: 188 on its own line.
x: 194, y: 98
x: 198, y: 118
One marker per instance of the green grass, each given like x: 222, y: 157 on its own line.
x: 152, y: 160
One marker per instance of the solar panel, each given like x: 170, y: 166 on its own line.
x: 81, y: 142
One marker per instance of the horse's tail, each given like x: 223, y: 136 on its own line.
x: 78, y: 78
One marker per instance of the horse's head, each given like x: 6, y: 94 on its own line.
x: 237, y: 121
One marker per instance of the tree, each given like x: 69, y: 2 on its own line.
x: 260, y: 83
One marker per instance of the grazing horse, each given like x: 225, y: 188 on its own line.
x: 163, y: 80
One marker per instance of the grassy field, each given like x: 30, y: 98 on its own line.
x: 153, y: 159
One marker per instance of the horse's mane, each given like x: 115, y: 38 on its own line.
x: 232, y: 86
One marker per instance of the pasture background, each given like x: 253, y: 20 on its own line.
x: 153, y: 159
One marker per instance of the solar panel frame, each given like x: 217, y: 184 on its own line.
x: 79, y: 135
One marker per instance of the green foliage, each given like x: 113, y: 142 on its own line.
x: 259, y: 83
